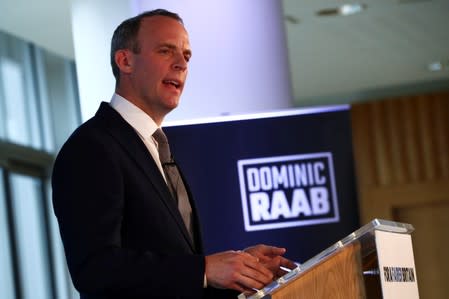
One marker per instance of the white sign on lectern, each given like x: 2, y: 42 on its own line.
x: 396, y: 265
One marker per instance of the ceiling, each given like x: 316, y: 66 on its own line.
x: 383, y: 51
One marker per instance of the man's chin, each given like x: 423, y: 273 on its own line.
x: 172, y: 104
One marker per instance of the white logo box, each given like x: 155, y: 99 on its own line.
x: 320, y: 170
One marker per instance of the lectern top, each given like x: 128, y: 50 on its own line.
x: 364, y: 235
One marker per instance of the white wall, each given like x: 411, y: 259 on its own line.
x: 239, y: 62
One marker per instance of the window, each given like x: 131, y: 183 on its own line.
x: 39, y: 108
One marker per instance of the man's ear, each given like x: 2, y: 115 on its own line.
x: 124, y: 60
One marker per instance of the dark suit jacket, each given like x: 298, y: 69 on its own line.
x: 122, y: 232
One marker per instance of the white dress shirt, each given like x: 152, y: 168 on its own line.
x: 142, y: 123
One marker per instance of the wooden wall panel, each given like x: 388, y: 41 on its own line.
x: 431, y: 223
x: 401, y: 151
x: 402, y: 141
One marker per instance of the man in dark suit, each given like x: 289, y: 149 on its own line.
x: 124, y: 235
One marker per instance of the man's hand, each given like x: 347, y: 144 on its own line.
x: 272, y: 258
x: 236, y: 270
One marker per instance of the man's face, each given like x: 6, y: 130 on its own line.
x: 159, y: 70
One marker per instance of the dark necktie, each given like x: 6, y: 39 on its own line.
x: 174, y: 180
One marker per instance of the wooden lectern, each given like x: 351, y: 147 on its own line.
x: 376, y: 261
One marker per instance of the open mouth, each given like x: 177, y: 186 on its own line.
x: 174, y: 83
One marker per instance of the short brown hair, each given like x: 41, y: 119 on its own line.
x: 125, y: 35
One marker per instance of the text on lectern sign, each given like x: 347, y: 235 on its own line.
x: 288, y: 191
x: 397, y: 265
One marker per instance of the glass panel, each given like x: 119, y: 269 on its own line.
x: 19, y: 110
x: 64, y: 286
x: 6, y: 269
x: 39, y: 104
x: 59, y: 104
x: 45, y: 113
x: 32, y: 249
x: 15, y: 105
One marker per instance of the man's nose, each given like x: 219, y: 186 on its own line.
x: 180, y: 63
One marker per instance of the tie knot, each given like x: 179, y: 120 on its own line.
x: 160, y: 136
x: 162, y: 146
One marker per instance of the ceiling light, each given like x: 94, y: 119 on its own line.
x: 343, y: 10
x: 350, y: 9
x: 438, y: 66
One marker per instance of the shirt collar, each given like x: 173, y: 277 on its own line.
x: 135, y: 116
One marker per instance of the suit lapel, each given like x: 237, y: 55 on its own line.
x: 126, y: 136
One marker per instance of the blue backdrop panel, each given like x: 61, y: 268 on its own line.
x: 284, y: 179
